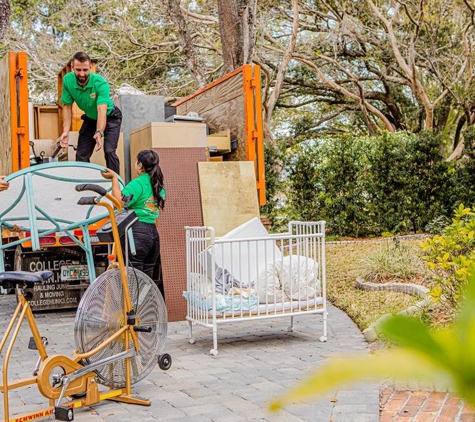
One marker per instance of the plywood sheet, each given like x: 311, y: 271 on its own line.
x: 228, y: 194
x: 5, y: 116
x: 182, y: 208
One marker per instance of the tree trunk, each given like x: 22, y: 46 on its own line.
x: 237, y: 29
x: 4, y: 16
x: 186, y: 43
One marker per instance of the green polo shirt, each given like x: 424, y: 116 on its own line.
x: 87, y: 98
x: 143, y: 202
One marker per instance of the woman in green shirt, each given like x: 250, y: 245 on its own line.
x: 146, y: 196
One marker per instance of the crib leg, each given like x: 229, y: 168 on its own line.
x: 291, y: 326
x: 324, y: 337
x: 191, y: 339
x: 214, y: 350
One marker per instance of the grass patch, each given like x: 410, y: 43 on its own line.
x: 344, y: 265
x: 395, y: 262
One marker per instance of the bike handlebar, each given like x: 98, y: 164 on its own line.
x: 88, y: 200
x: 90, y: 186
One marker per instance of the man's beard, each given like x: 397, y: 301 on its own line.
x: 82, y: 79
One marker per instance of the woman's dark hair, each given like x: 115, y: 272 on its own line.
x: 151, y: 164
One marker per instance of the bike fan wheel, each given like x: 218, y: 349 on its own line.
x: 100, y: 314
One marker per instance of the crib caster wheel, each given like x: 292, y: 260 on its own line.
x: 165, y: 362
x: 323, y: 339
x: 290, y: 329
x: 213, y: 352
x: 62, y: 413
x: 191, y: 340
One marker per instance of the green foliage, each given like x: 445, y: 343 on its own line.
x: 442, y: 356
x: 437, y: 225
x: 304, y: 178
x: 342, y: 193
x: 405, y: 179
x: 450, y: 255
x: 364, y: 186
x: 324, y: 184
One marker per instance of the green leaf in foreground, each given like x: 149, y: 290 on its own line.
x: 444, y: 357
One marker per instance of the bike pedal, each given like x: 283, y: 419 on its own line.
x: 62, y: 413
x: 32, y: 344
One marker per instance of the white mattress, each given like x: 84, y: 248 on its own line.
x: 244, y: 260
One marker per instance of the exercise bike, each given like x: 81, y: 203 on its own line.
x: 120, y: 330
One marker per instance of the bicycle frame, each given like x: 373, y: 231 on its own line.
x: 78, y: 378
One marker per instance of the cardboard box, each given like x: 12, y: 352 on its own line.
x: 165, y: 135
x: 217, y: 158
x: 219, y: 141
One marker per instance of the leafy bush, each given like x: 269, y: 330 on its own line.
x: 304, y: 178
x: 405, y: 178
x: 324, y: 184
x: 342, y: 195
x: 437, y: 225
x: 450, y: 255
x: 364, y: 186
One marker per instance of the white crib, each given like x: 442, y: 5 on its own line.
x: 232, y: 279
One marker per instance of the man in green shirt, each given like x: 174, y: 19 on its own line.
x: 102, y: 120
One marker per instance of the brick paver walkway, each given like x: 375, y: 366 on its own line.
x: 423, y: 406
x: 257, y: 361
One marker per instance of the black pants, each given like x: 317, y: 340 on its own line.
x: 87, y: 143
x: 147, y: 247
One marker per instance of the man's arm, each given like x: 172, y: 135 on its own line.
x: 3, y: 185
x: 67, y: 113
x: 101, y: 124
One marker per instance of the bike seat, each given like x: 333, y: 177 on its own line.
x: 10, y: 279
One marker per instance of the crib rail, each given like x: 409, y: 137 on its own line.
x: 247, y: 278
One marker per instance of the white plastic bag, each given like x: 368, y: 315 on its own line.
x: 268, y: 284
x: 299, y: 277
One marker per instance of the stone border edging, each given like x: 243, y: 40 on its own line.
x: 394, y: 239
x: 371, y: 333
